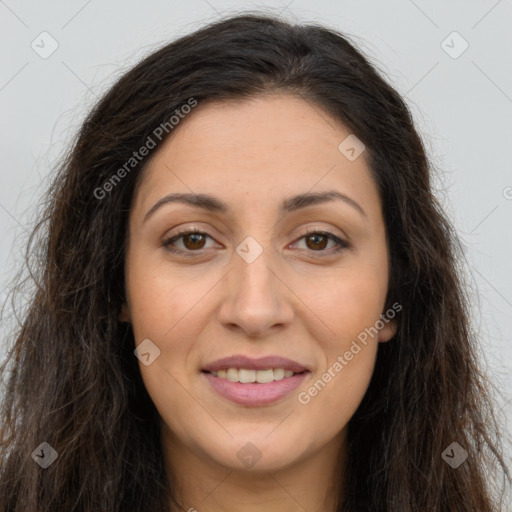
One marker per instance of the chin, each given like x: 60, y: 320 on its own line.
x: 255, y: 453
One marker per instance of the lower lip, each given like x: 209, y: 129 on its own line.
x: 254, y: 393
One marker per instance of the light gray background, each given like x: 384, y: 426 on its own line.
x: 463, y: 107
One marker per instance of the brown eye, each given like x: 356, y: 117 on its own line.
x: 318, y: 241
x: 193, y: 241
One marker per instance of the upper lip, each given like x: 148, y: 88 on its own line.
x: 262, y: 363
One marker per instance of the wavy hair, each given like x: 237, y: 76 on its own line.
x: 71, y: 378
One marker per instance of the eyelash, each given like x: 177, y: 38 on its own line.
x: 341, y: 244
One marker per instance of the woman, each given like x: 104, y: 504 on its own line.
x: 195, y: 343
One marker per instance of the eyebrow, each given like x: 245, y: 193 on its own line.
x: 291, y: 204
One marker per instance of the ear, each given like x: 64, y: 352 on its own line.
x: 124, y: 315
x: 388, y: 331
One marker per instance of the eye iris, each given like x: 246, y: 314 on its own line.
x: 195, y: 241
x: 315, y: 237
x: 195, y: 237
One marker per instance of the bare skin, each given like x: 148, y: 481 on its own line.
x: 298, y: 299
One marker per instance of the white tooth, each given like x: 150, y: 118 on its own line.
x: 232, y: 374
x: 278, y: 374
x: 264, y: 376
x: 246, y: 376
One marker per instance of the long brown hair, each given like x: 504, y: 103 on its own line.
x: 74, y: 381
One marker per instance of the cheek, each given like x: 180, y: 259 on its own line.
x: 347, y: 303
x: 348, y: 307
x: 348, y: 374
x: 163, y: 299
x: 162, y: 310
x: 336, y: 390
x: 170, y: 308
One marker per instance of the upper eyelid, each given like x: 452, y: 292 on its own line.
x: 306, y: 232
x: 199, y: 229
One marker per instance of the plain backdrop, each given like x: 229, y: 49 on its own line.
x: 451, y: 60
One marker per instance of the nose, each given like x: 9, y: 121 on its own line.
x: 256, y: 298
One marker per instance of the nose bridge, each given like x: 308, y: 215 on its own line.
x: 254, y: 275
x: 254, y: 298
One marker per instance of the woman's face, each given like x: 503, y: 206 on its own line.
x: 251, y: 284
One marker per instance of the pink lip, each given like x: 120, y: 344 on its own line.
x: 254, y: 394
x: 262, y: 363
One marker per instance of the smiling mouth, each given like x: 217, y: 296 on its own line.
x: 253, y: 388
x: 247, y: 376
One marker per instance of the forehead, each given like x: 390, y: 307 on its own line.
x: 257, y: 123
x: 261, y: 147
